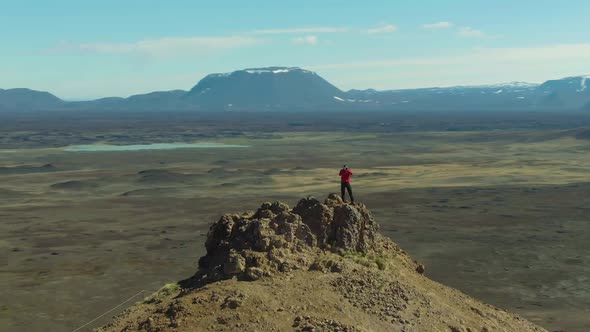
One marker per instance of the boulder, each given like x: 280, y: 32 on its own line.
x: 353, y: 228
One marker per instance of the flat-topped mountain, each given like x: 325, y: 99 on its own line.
x: 292, y: 88
x: 321, y: 266
x: 264, y: 88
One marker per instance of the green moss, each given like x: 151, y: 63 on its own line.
x: 377, y: 261
x: 381, y: 263
x: 164, y: 292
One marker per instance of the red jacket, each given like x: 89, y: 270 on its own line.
x: 345, y: 175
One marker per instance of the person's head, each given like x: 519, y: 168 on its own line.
x: 344, y: 167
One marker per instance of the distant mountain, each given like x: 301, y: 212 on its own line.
x: 264, y: 88
x: 159, y: 100
x: 516, y: 95
x: 292, y: 88
x: 17, y: 99
x: 569, y: 92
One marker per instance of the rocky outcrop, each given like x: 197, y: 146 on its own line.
x: 277, y: 238
x: 338, y: 225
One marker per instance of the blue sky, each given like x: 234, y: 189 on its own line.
x: 83, y: 49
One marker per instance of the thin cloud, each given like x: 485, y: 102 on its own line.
x: 438, y: 25
x: 469, y: 32
x: 482, y: 57
x: 471, y: 67
x: 301, y: 30
x: 162, y: 47
x: 386, y: 28
x: 306, y: 40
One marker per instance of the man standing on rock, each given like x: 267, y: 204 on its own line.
x: 345, y: 174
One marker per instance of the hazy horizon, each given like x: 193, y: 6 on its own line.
x: 319, y: 73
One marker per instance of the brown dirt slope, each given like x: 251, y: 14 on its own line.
x: 317, y: 267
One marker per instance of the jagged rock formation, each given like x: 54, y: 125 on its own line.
x: 343, y: 226
x: 277, y: 239
x: 316, y: 267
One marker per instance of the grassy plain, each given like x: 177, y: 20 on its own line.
x: 496, y: 207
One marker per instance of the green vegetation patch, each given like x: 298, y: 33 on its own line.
x: 368, y: 260
x: 165, y: 292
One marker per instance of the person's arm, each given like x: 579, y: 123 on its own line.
x: 350, y: 172
x: 341, y: 171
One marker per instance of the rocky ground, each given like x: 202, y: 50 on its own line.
x: 316, y: 267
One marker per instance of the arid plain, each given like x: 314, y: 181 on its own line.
x: 494, y: 205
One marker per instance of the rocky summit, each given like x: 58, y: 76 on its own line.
x: 321, y: 266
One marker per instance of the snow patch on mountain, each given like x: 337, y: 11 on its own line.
x: 520, y: 85
x: 523, y: 85
x: 219, y: 75
x: 268, y: 70
x: 276, y: 70
x: 583, y: 85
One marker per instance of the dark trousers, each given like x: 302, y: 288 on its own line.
x: 346, y: 185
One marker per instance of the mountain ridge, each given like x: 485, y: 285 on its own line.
x: 292, y: 88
